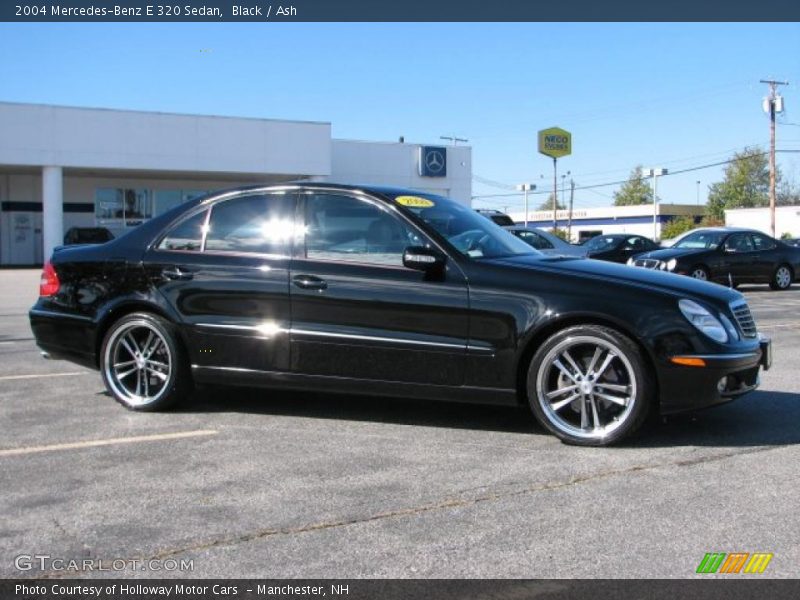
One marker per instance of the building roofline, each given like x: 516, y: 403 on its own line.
x: 158, y: 112
x: 406, y: 143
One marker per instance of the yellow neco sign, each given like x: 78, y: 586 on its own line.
x: 555, y: 142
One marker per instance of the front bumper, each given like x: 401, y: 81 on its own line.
x: 722, y: 378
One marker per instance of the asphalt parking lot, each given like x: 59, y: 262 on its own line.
x: 249, y: 483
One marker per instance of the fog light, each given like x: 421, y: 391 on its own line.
x: 722, y: 384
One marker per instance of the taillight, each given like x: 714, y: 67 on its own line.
x: 49, y: 284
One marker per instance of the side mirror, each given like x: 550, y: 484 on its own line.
x: 425, y: 259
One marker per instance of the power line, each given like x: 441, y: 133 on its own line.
x: 621, y: 181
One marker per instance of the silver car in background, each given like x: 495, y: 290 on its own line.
x: 546, y: 242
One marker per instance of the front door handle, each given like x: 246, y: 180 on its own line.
x: 177, y: 274
x: 309, y: 282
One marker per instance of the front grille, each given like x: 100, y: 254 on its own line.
x: 745, y: 319
x: 647, y: 263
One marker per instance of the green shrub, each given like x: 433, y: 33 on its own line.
x: 676, y: 227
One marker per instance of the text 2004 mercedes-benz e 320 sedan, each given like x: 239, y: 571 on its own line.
x: 390, y: 292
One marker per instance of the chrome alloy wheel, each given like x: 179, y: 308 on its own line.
x: 586, y: 387
x: 700, y: 273
x: 138, y: 363
x: 783, y: 278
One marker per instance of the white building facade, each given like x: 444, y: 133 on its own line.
x: 585, y: 223
x: 787, y: 219
x: 63, y: 167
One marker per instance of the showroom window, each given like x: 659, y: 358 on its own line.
x: 129, y: 207
x: 122, y: 206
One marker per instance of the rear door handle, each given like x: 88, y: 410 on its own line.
x: 177, y: 274
x: 309, y: 282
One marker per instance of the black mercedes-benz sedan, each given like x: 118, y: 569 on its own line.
x: 727, y: 255
x: 617, y: 247
x: 390, y: 292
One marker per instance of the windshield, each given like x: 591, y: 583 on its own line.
x: 467, y: 231
x: 601, y: 242
x: 708, y: 240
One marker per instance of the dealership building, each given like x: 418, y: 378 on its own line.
x: 63, y: 167
x: 639, y: 219
x: 787, y: 219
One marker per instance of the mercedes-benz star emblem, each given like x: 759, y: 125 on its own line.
x: 434, y: 161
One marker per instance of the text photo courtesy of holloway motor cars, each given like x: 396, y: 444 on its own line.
x: 309, y: 303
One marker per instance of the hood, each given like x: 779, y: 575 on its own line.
x: 560, y: 251
x: 669, y: 253
x: 677, y: 285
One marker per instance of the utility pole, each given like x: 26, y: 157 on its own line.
x: 698, y: 192
x: 655, y: 173
x: 569, y: 217
x: 772, y: 104
x: 453, y: 138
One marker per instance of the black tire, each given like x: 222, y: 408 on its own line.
x: 140, y: 345
x: 565, y: 416
x: 782, y: 278
x: 700, y: 272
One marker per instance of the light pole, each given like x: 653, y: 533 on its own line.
x: 526, y: 187
x: 655, y: 173
x: 698, y: 192
x: 453, y: 138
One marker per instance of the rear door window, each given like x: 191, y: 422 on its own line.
x: 256, y: 224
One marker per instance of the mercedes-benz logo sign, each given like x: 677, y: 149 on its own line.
x: 434, y: 161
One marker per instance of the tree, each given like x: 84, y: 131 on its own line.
x: 634, y: 191
x: 745, y: 183
x: 677, y: 226
x: 787, y: 192
x: 548, y: 204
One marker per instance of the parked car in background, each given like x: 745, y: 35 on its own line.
x: 617, y: 247
x: 545, y: 242
x: 87, y: 235
x: 727, y: 255
x: 793, y: 242
x: 389, y: 292
x: 499, y: 218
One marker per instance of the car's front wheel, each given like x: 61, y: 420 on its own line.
x: 589, y: 386
x: 782, y: 278
x: 143, y: 364
x: 699, y: 272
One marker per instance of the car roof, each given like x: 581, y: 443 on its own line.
x: 385, y: 190
x: 618, y: 235
x: 728, y: 229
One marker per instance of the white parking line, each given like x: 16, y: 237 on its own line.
x: 39, y: 375
x: 107, y: 442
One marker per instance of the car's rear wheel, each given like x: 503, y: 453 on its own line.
x: 588, y: 385
x: 143, y: 364
x: 782, y: 278
x: 699, y: 272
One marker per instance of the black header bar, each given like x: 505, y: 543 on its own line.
x: 735, y: 587
x: 216, y: 11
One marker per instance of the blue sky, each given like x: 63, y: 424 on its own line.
x: 672, y: 95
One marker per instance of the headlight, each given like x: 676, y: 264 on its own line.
x: 671, y: 264
x: 732, y: 333
x: 630, y: 262
x: 703, y: 320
